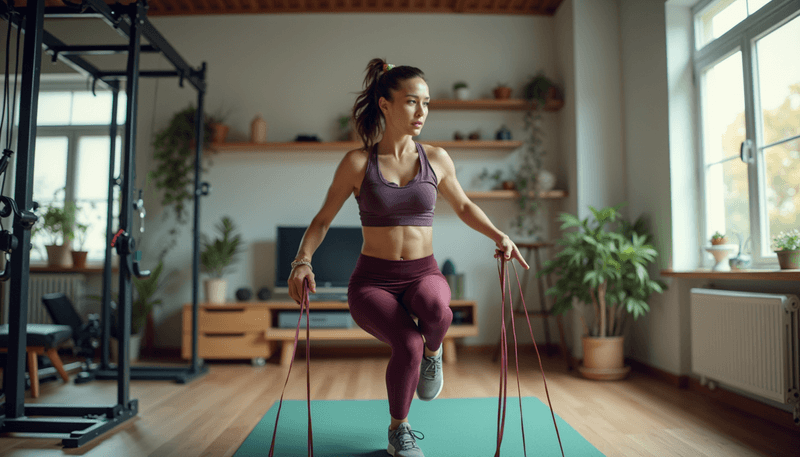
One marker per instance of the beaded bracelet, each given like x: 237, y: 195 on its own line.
x: 297, y: 263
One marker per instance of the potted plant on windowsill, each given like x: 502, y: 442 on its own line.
x: 216, y: 257
x: 79, y: 256
x: 607, y: 269
x: 57, y: 223
x: 787, y: 247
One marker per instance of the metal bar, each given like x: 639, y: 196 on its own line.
x: 42, y: 409
x: 14, y: 379
x: 786, y: 140
x: 112, y: 180
x: 199, y: 136
x: 37, y: 425
x: 126, y: 213
x: 153, y: 36
x: 76, y: 63
x: 97, y: 50
x: 147, y: 74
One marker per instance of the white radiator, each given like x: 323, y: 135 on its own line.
x: 73, y: 285
x: 748, y: 341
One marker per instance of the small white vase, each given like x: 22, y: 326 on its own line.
x: 462, y: 93
x: 545, y: 181
x: 215, y: 290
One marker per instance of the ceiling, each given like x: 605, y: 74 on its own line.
x: 199, y: 7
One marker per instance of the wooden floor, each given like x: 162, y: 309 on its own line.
x: 211, y: 416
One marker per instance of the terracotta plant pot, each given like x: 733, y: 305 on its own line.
x: 509, y: 185
x: 502, y: 93
x: 79, y: 259
x: 789, y: 260
x: 719, y: 241
x: 219, y: 132
x: 603, y: 358
x: 58, y: 255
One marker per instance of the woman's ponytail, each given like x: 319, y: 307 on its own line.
x: 380, y: 81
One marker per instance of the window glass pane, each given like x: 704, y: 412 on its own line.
x: 89, y: 109
x: 717, y: 18
x: 92, y: 167
x: 782, y: 179
x: 93, y: 214
x: 755, y: 5
x: 779, y: 83
x: 49, y: 167
x: 54, y: 108
x: 727, y: 202
x: 723, y: 109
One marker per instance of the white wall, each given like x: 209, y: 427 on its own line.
x: 301, y: 73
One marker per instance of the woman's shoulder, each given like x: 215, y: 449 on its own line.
x: 435, y: 154
x: 356, y: 158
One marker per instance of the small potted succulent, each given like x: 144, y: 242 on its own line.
x: 787, y: 247
x: 502, y: 91
x: 461, y: 90
x: 718, y: 238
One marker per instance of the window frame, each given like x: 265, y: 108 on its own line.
x: 75, y: 132
x: 741, y: 37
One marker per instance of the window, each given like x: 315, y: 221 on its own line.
x: 747, y: 68
x: 72, y: 161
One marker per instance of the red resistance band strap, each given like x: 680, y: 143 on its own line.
x: 304, y: 307
x: 502, y: 396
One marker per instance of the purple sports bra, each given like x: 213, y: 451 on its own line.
x: 385, y: 204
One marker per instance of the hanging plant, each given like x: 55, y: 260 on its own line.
x: 535, y: 92
x: 174, y: 157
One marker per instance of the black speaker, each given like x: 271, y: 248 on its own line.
x: 244, y: 294
x: 264, y: 294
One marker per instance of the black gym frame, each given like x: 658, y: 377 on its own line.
x: 84, y: 423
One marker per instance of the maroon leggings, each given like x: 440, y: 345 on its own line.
x: 382, y: 295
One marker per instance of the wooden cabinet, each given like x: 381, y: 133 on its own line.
x: 250, y: 330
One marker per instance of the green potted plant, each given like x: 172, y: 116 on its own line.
x: 216, y: 256
x: 57, y: 223
x: 79, y: 255
x: 461, y: 90
x: 346, y: 130
x: 787, y: 247
x: 141, y: 307
x: 607, y: 269
x: 718, y: 239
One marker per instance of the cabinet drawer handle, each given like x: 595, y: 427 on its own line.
x: 222, y: 335
x: 226, y: 310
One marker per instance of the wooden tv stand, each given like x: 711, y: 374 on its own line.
x: 249, y: 330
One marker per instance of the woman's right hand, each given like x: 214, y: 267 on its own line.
x: 296, y: 278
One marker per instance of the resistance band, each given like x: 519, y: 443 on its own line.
x: 502, y: 396
x: 304, y: 306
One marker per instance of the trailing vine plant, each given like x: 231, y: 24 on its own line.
x: 174, y: 157
x: 526, y: 178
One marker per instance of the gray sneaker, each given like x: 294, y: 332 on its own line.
x: 431, y: 379
x: 402, y: 442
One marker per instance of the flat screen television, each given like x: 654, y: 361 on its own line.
x: 333, y: 262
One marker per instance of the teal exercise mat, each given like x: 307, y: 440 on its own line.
x: 463, y: 427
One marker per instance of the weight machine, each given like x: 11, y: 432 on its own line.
x: 84, y: 423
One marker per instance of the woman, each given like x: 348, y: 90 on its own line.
x: 395, y: 182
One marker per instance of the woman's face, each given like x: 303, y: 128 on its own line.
x: 407, y: 112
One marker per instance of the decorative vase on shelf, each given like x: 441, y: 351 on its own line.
x: 462, y: 93
x: 545, y: 181
x: 219, y: 132
x: 258, y: 130
x: 215, y: 290
x: 721, y: 252
x: 502, y: 93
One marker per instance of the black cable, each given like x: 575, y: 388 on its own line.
x: 5, y: 80
x: 14, y: 100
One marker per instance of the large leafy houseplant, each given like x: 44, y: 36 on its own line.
x: 604, y: 267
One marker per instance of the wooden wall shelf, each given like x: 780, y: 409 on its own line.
x: 312, y: 146
x: 90, y: 269
x: 513, y: 194
x: 489, y: 104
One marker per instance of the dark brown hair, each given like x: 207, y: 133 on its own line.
x: 366, y: 112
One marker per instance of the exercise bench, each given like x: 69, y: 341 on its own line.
x: 43, y: 339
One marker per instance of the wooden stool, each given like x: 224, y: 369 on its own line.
x: 42, y: 339
x: 529, y: 250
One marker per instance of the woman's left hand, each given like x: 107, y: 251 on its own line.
x: 506, y: 248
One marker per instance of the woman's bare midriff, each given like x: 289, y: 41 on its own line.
x: 404, y: 242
